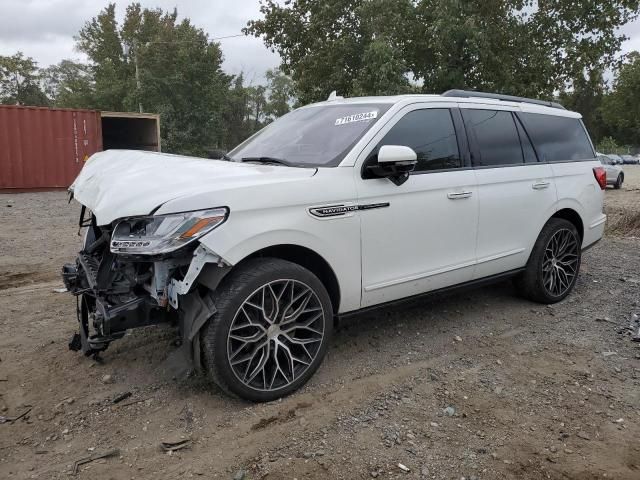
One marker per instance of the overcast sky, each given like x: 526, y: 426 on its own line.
x: 44, y: 29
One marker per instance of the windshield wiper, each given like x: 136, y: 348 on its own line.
x: 275, y: 160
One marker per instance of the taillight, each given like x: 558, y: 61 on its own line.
x: 601, y: 176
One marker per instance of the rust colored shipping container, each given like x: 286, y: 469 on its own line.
x: 45, y: 147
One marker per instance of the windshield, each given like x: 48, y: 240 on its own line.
x: 315, y: 136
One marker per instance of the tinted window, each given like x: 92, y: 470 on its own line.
x: 431, y: 134
x: 527, y: 148
x: 316, y: 136
x: 496, y: 136
x: 558, y: 138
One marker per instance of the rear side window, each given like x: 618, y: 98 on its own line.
x: 496, y: 136
x: 558, y: 139
x: 430, y: 132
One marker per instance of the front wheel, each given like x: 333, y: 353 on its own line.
x: 271, y: 330
x: 552, y: 269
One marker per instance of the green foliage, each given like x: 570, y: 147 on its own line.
x: 337, y: 45
x: 281, y: 94
x: 154, y: 62
x: 178, y: 74
x: 621, y: 108
x: 256, y: 104
x: 382, y: 71
x: 99, y: 39
x: 586, y: 97
x: 609, y: 145
x: 250, y: 108
x: 520, y: 47
x: 20, y: 81
x: 234, y: 114
x: 69, y: 84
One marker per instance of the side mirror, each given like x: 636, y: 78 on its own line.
x: 395, y: 162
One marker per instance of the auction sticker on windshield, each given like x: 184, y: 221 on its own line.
x: 358, y: 117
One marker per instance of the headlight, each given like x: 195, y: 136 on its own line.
x: 158, y: 234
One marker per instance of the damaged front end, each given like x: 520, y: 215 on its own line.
x: 142, y: 271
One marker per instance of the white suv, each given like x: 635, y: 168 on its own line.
x: 334, y: 208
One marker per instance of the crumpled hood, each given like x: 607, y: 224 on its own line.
x: 125, y: 183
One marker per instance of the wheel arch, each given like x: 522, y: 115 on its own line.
x: 572, y: 216
x: 307, y: 258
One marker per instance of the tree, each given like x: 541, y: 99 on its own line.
x: 69, y: 84
x: 257, y: 103
x: 519, y: 47
x: 280, y: 94
x: 323, y: 45
x: 586, y: 96
x: 609, y: 145
x: 20, y: 81
x: 383, y: 70
x: 234, y: 114
x: 100, y: 40
x: 621, y: 109
x: 164, y: 65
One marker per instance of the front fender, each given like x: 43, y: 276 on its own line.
x: 338, y: 242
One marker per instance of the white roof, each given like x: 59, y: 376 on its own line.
x: 415, y: 98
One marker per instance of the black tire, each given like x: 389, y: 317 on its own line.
x: 619, y: 180
x: 531, y: 283
x: 237, y: 289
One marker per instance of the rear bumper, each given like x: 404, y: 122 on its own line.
x: 594, y: 232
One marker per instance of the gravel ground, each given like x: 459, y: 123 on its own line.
x: 479, y: 384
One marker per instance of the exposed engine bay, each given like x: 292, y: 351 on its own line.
x: 120, y: 291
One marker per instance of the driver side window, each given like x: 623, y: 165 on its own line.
x: 431, y: 133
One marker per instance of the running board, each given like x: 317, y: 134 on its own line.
x: 472, y: 284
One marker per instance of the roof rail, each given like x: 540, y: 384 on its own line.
x: 497, y: 96
x: 334, y: 96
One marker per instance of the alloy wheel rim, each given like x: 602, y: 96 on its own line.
x: 560, y: 263
x: 275, y: 335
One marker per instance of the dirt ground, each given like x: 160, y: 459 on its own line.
x: 534, y: 391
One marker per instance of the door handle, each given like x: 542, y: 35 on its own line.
x: 540, y: 185
x: 458, y: 195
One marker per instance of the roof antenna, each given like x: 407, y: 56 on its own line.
x: 334, y: 96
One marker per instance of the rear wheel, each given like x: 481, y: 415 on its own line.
x: 271, y: 330
x: 619, y: 181
x: 552, y: 269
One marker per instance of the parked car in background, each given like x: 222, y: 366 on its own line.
x: 615, y: 175
x: 615, y: 159
x: 332, y: 209
x: 629, y: 160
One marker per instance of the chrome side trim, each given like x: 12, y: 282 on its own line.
x: 343, y: 209
x: 598, y: 222
x: 497, y: 256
